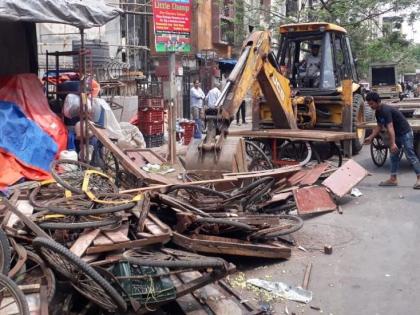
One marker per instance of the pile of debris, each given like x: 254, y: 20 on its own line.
x: 80, y: 237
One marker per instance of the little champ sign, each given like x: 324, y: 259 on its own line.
x: 172, y: 24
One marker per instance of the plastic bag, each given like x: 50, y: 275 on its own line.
x: 71, y: 108
x: 106, y: 118
x: 132, y: 137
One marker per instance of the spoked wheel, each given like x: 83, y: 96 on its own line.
x: 295, y: 152
x: 12, y: 299
x: 82, y: 276
x: 287, y: 224
x: 71, y: 174
x: 378, y: 151
x: 80, y: 205
x: 171, y: 258
x: 42, y: 194
x: 36, y: 271
x: 259, y: 159
x: 5, y: 253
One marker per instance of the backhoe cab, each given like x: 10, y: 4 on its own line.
x: 316, y: 58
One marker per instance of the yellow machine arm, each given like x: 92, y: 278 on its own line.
x: 216, y: 152
x: 257, y: 63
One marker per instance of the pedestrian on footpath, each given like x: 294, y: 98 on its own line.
x: 243, y: 114
x: 400, y: 137
x: 213, y: 95
x: 197, y: 97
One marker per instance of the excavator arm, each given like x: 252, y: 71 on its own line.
x: 256, y: 64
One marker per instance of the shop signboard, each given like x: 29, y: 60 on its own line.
x: 172, y: 25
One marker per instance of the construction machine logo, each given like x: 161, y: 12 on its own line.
x: 279, y: 89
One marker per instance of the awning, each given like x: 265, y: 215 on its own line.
x: 82, y: 14
x: 227, y: 64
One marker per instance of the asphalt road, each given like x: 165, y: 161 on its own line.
x: 375, y: 264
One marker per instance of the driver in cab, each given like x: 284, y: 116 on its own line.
x: 312, y: 65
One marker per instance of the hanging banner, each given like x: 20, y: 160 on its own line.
x: 172, y: 24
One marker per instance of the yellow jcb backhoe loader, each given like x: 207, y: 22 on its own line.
x: 293, y: 96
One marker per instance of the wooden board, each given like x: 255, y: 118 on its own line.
x: 414, y: 124
x: 102, y: 240
x: 83, y: 242
x: 219, y: 302
x: 119, y: 235
x: 314, y: 199
x: 222, y: 245
x: 345, y: 178
x: 127, y: 163
x: 130, y: 244
x: 298, y: 134
x: 188, y: 303
x: 144, y: 156
x: 313, y: 174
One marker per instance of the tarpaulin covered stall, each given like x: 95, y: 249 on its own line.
x: 82, y: 14
x: 32, y: 134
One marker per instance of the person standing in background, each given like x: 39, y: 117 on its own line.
x: 197, y: 97
x: 213, y: 95
x: 243, y: 113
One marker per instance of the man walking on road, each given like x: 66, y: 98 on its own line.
x: 196, y: 101
x: 400, y: 137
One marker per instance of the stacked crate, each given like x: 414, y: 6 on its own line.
x: 151, y: 113
x: 188, y: 127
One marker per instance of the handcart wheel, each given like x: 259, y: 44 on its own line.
x: 378, y: 151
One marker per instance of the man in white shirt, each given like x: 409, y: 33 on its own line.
x: 312, y: 63
x: 212, y: 96
x: 197, y: 97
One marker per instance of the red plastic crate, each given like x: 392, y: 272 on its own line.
x: 150, y: 129
x: 150, y: 115
x: 151, y: 102
x: 187, y: 139
x: 188, y: 127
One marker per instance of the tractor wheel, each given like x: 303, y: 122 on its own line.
x: 369, y: 116
x: 358, y: 118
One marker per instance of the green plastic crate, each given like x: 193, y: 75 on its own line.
x: 148, y: 290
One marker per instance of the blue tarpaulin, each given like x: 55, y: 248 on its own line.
x: 24, y: 139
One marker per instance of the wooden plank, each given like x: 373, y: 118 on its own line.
x: 218, y: 302
x: 280, y: 171
x: 131, y: 244
x: 296, y: 134
x: 188, y: 303
x: 307, y: 276
x: 102, y: 240
x: 125, y: 160
x: 313, y: 199
x: 345, y: 178
x: 413, y: 122
x: 119, y: 235
x: 151, y: 157
x: 159, y: 187
x: 313, y: 174
x: 152, y: 228
x: 83, y: 242
x: 221, y: 245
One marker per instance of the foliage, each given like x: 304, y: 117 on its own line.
x: 371, y: 41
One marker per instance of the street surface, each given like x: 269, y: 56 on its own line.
x: 375, y: 264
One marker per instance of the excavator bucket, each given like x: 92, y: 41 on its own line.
x: 230, y: 158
